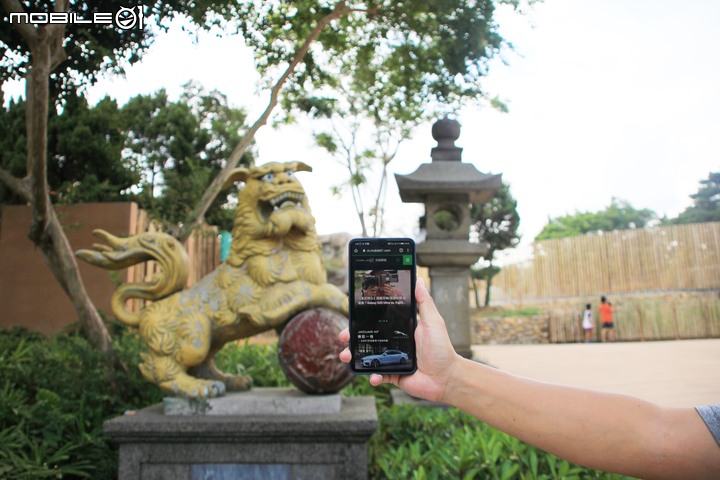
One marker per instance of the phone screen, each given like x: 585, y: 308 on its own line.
x: 382, y: 305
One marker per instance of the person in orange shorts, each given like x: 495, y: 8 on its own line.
x: 606, y: 319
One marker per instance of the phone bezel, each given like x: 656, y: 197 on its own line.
x: 351, y: 305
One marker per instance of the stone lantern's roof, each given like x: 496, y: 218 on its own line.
x: 447, y: 174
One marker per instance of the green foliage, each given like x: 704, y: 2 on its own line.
x: 421, y: 443
x: 258, y: 361
x: 526, y: 311
x: 55, y: 394
x: 495, y: 222
x: 401, y: 59
x: 620, y: 215
x: 12, y: 145
x: 160, y: 153
x: 85, y: 145
x: 84, y: 152
x: 180, y: 147
x: 706, y: 203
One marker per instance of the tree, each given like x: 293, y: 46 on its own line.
x: 706, y: 203
x: 84, y: 153
x: 375, y: 90
x: 496, y: 223
x: 60, y: 58
x: 84, y: 147
x: 180, y: 147
x: 359, y: 155
x: 404, y: 56
x: 13, y: 160
x: 620, y: 215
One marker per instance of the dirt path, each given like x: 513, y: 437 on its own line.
x: 674, y: 373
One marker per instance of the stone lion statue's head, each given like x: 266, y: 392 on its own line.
x: 272, y: 206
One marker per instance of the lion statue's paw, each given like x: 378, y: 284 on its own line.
x: 233, y: 383
x: 193, y: 388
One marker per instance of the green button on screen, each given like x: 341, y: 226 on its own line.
x: 407, y: 259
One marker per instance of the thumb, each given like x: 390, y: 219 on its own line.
x: 429, y: 314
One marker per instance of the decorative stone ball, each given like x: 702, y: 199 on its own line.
x: 308, y: 351
x: 445, y: 131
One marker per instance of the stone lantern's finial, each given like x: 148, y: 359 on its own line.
x: 445, y: 131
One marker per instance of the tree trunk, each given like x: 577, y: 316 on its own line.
x: 46, y: 232
x: 488, y: 284
x: 477, y: 293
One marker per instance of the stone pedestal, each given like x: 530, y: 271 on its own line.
x: 278, y: 445
x: 449, y: 287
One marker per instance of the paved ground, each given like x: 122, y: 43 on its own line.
x: 678, y: 373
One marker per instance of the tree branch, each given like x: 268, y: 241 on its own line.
x: 198, y: 214
x: 57, y: 32
x: 28, y: 32
x: 18, y: 186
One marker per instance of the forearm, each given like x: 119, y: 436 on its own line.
x: 594, y: 429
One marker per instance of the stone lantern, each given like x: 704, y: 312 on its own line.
x: 447, y: 187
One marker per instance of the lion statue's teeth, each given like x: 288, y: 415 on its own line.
x: 286, y: 199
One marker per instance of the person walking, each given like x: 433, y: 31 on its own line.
x: 606, y: 319
x: 588, y: 324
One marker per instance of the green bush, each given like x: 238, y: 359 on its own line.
x: 430, y: 443
x: 260, y: 362
x: 56, y: 393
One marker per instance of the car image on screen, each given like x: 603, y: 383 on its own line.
x: 388, y: 357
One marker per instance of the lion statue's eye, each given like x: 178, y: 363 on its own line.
x: 268, y: 177
x: 289, y: 173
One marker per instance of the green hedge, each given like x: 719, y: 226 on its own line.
x: 56, y: 393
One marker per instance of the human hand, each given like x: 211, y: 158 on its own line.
x: 435, y: 354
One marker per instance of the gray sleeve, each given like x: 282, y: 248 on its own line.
x: 711, y: 416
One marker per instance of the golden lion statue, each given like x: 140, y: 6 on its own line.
x: 273, y: 272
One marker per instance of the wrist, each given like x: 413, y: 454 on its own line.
x: 454, y: 379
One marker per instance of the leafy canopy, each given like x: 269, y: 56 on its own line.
x: 402, y: 55
x: 706, y: 203
x: 619, y: 215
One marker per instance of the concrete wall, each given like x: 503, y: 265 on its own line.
x: 29, y: 294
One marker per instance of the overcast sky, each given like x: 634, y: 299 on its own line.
x: 609, y: 98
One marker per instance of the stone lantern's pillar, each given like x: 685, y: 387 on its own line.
x: 447, y: 186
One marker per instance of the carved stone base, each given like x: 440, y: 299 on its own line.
x: 155, y: 446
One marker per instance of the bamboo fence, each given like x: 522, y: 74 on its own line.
x: 663, y: 282
x: 662, y: 259
x: 647, y: 317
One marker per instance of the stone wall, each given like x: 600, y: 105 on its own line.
x: 509, y: 330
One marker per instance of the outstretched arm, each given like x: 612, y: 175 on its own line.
x: 609, y: 432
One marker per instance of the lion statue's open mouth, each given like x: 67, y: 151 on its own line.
x: 282, y: 201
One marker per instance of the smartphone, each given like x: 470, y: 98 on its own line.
x: 382, y: 305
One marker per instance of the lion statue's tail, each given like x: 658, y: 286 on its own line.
x: 121, y: 253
